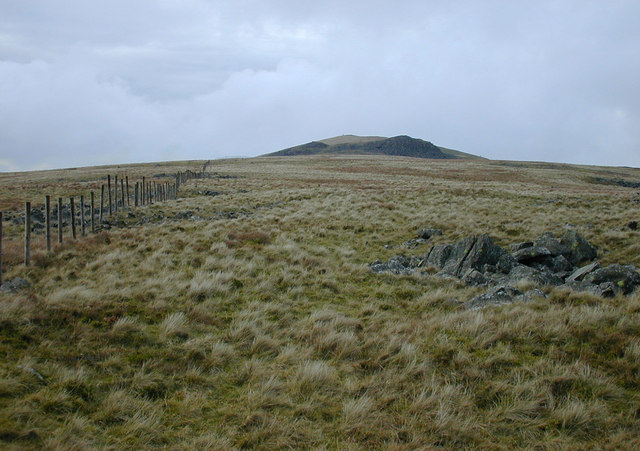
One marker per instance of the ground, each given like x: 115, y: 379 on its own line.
x: 250, y: 319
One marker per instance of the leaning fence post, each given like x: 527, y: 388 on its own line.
x: 27, y: 233
x: 47, y: 220
x: 0, y: 248
x: 93, y: 214
x: 82, y: 215
x: 109, y: 189
x: 73, y: 217
x: 59, y: 220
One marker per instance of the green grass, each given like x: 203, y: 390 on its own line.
x: 255, y: 323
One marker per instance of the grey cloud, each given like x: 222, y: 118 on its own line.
x: 99, y: 82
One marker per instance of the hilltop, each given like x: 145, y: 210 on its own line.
x: 404, y: 146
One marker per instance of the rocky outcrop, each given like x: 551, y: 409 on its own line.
x: 547, y: 261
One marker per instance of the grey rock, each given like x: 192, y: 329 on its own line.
x: 531, y: 254
x: 459, y: 252
x: 438, y: 255
x: 496, y: 296
x: 625, y: 277
x: 579, y: 273
x: 414, y: 243
x: 531, y: 295
x: 550, y: 242
x: 522, y: 272
x: 475, y: 278
x: 398, y: 265
x: 578, y: 249
x: 517, y: 246
x: 426, y: 234
x: 506, y: 262
x: 14, y: 285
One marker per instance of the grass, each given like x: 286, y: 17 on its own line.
x: 254, y: 322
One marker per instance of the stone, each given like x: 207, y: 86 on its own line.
x: 398, y: 265
x: 522, y: 272
x: 547, y: 240
x: 625, y: 277
x: 14, y: 285
x: 579, y: 273
x: 474, y: 277
x: 579, y: 249
x: 426, y: 234
x: 495, y: 296
x: 517, y: 246
x: 438, y: 255
x: 531, y: 295
x: 531, y: 254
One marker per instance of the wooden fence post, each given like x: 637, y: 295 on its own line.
x: 101, y: 202
x: 59, y: 220
x: 122, y: 191
x: 115, y: 193
x: 82, y: 215
x: 109, y: 189
x: 27, y: 234
x: 0, y: 248
x: 93, y: 214
x: 128, y: 196
x: 73, y: 217
x: 143, y: 201
x: 135, y: 195
x: 47, y: 220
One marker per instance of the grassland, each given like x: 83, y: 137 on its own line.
x: 254, y: 321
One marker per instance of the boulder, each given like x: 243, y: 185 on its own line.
x: 624, y: 277
x: 531, y: 254
x: 579, y: 273
x: 14, y: 285
x: 517, y: 246
x: 549, y: 241
x: 474, y: 277
x: 578, y: 249
x: 522, y: 272
x: 426, y: 234
x: 495, y: 296
x: 398, y: 265
x: 438, y: 255
x: 459, y: 252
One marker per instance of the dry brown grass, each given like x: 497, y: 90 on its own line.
x: 255, y: 322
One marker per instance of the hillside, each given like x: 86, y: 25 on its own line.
x: 372, y: 145
x: 249, y: 313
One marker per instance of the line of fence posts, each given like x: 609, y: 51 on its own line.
x: 145, y: 193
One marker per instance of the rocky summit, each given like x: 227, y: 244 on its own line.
x: 547, y: 261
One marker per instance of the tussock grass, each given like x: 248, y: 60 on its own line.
x: 256, y: 322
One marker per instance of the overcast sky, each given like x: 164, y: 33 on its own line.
x: 97, y: 82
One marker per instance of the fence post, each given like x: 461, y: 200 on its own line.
x: 115, y: 194
x: 101, y: 202
x: 109, y: 189
x: 142, y: 193
x: 27, y: 234
x: 128, y: 196
x: 73, y: 217
x: 0, y: 248
x: 122, y: 191
x: 59, y: 220
x: 135, y: 195
x: 47, y: 220
x: 93, y: 214
x: 82, y: 215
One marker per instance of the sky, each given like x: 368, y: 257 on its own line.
x: 118, y: 81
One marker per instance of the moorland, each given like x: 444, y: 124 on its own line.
x: 245, y: 313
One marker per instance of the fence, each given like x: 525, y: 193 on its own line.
x: 118, y: 198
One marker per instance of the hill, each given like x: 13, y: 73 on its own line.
x: 373, y: 145
x: 246, y: 314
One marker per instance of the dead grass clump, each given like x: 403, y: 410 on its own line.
x: 238, y: 239
x: 174, y: 325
